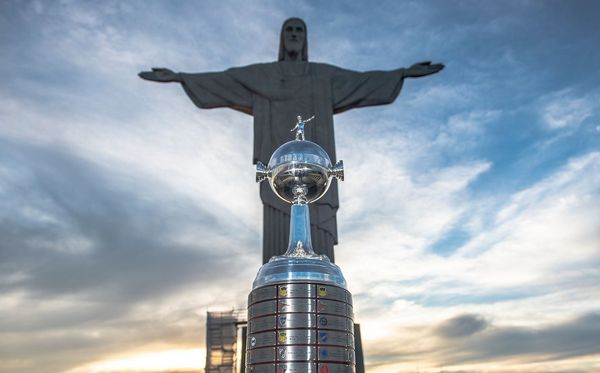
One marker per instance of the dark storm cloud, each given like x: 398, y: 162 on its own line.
x: 471, y: 339
x: 71, y: 227
x: 578, y: 337
x: 462, y: 326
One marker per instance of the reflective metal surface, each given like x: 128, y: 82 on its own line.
x: 335, y: 368
x: 296, y: 353
x: 305, y: 331
x: 299, y: 128
x: 296, y: 368
x: 337, y: 171
x: 296, y: 320
x: 262, y: 368
x: 299, y: 167
x: 334, y: 307
x: 296, y: 305
x: 290, y: 176
x: 333, y: 292
x: 264, y: 293
x: 294, y: 269
x: 296, y: 291
x: 261, y: 340
x: 296, y: 337
x: 331, y: 322
x: 262, y: 173
x: 331, y: 337
x: 262, y: 308
x: 299, y: 172
x: 261, y: 355
x: 337, y: 354
x: 261, y: 323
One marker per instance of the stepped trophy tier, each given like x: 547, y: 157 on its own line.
x: 300, y: 315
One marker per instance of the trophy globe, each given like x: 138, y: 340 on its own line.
x: 299, y: 172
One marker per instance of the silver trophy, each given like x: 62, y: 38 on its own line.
x: 300, y: 316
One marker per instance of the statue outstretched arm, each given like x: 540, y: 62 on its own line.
x: 353, y: 89
x: 207, y: 90
x: 161, y: 74
x: 422, y: 69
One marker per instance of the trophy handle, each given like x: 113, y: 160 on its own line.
x: 262, y: 172
x: 337, y: 171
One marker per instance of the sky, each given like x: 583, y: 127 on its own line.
x: 469, y: 226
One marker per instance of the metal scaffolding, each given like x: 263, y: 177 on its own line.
x: 222, y: 350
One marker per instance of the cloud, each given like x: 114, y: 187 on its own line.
x: 88, y: 259
x: 471, y: 343
x: 563, y: 109
x: 462, y: 326
x: 578, y: 337
x: 59, y: 197
x: 547, y: 221
x: 542, y: 241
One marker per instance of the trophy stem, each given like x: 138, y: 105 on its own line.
x: 300, y: 244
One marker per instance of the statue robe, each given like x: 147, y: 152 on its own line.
x: 275, y: 94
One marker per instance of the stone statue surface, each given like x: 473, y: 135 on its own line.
x: 277, y: 92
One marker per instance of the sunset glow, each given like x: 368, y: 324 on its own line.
x: 182, y: 360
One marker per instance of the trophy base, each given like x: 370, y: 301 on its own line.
x: 300, y: 327
x: 283, y: 268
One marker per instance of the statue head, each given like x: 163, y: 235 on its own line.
x: 293, y: 43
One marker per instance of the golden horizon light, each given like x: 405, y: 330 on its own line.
x: 176, y: 360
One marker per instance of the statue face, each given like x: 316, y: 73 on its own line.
x: 294, y: 36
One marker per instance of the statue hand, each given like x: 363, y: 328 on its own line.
x: 422, y: 69
x: 160, y: 75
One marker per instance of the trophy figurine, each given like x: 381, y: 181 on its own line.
x: 300, y: 317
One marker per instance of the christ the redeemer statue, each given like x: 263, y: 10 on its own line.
x: 278, y: 92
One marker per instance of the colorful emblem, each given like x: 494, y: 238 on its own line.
x: 323, y: 337
x: 283, y: 306
x: 322, y: 306
x: 322, y: 291
x: 323, y: 321
x: 282, y: 337
x: 324, y: 352
x: 282, y: 320
x: 283, y: 292
x: 324, y: 369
